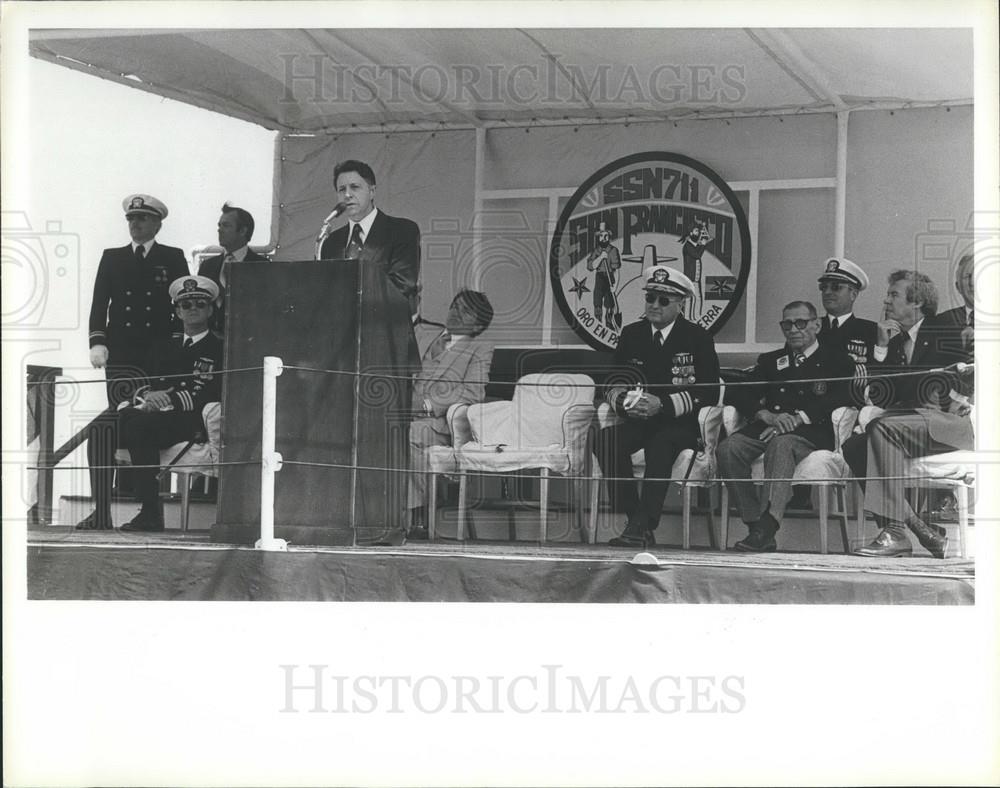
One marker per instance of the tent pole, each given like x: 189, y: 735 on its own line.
x: 476, y: 275
x: 840, y: 193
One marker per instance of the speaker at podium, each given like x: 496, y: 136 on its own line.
x: 343, y: 401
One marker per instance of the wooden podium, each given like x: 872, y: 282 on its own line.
x: 307, y: 314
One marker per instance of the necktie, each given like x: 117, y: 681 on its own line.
x: 188, y: 342
x: 658, y: 339
x: 227, y: 261
x: 140, y: 253
x: 353, y: 251
x: 907, y: 349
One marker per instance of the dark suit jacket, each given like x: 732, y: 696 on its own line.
x: 926, y: 392
x: 393, y: 244
x: 131, y: 308
x: 817, y: 399
x: 688, y: 356
x: 212, y: 268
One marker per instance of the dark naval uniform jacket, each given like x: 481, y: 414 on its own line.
x: 817, y: 396
x: 856, y: 337
x: 212, y: 268
x: 200, y: 383
x: 131, y: 310
x: 687, y: 357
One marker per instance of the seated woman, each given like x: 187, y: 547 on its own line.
x: 455, y: 368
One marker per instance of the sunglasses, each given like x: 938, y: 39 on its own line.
x: 198, y: 303
x: 835, y: 287
x: 786, y: 325
x: 662, y: 300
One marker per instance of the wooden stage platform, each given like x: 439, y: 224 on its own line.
x: 65, y: 564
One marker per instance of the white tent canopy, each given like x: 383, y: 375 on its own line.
x: 309, y: 81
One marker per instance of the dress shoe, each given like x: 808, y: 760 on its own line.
x: 644, y: 540
x: 932, y: 540
x: 886, y: 545
x: 144, y: 522
x: 418, y: 533
x: 759, y: 540
x: 393, y: 537
x: 93, y: 522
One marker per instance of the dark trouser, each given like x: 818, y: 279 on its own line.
x: 662, y: 440
x: 102, y: 440
x: 892, y: 441
x: 122, y: 375
x: 855, y: 451
x: 144, y: 434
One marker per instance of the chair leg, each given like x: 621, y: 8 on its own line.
x: 686, y: 517
x: 432, y: 500
x: 843, y: 516
x: 543, y: 505
x: 184, y: 480
x: 724, y: 518
x: 962, y: 498
x: 859, y: 510
x: 595, y: 502
x: 463, y: 492
x: 824, y: 513
x: 710, y: 517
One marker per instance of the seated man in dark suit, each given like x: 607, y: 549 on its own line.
x: 235, y: 231
x: 658, y: 359
x: 182, y: 379
x: 455, y: 369
x: 792, y: 420
x: 922, y: 413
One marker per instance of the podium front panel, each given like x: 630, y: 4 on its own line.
x: 305, y: 313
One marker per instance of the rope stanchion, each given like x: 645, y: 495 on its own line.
x: 270, y: 459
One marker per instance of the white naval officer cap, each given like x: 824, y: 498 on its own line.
x: 144, y: 203
x: 840, y: 269
x: 660, y: 278
x: 193, y: 287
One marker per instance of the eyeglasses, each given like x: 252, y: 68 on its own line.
x: 835, y: 287
x: 786, y: 325
x: 198, y: 303
x: 662, y: 300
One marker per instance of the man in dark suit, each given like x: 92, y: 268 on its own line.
x: 657, y: 360
x: 924, y: 412
x: 455, y: 369
x: 387, y: 249
x: 182, y: 379
x: 235, y: 231
x: 962, y: 319
x: 792, y: 421
x: 131, y: 311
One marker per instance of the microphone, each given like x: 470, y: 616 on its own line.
x: 338, y: 209
x: 324, y: 230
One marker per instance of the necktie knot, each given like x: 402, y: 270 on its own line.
x: 188, y: 342
x: 658, y: 339
x: 800, y: 359
x: 229, y: 258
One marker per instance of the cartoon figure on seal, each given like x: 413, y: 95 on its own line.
x: 606, y: 260
x: 692, y: 247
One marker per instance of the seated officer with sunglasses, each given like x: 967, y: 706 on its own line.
x: 167, y: 410
x: 658, y: 359
x: 790, y: 421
